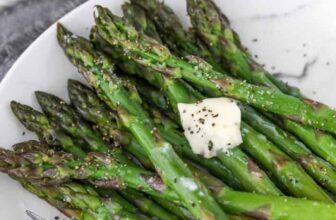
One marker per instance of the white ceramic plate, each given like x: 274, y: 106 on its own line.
x: 44, y: 67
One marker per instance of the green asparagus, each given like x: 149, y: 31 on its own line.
x: 150, y: 53
x: 214, y: 29
x: 237, y: 203
x: 45, y: 129
x: 169, y: 28
x: 320, y: 170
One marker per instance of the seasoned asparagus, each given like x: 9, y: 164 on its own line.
x: 237, y: 203
x: 152, y: 54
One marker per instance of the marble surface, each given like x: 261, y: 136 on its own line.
x: 21, y: 21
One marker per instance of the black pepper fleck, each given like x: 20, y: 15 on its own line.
x: 215, y: 116
x: 210, y: 145
x: 213, y: 124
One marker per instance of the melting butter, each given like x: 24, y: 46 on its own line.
x: 211, y: 125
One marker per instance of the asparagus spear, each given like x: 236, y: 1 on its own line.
x: 214, y: 29
x: 277, y: 209
x: 254, y: 205
x: 161, y: 153
x: 48, y: 194
x: 147, y: 206
x: 60, y: 112
x: 239, y: 163
x: 140, y: 20
x: 321, y: 143
x: 169, y: 28
x: 45, y: 129
x: 83, y: 198
x: 320, y: 170
x: 149, y: 53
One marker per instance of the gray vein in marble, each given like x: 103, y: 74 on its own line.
x: 304, y: 73
x: 279, y: 15
x: 22, y: 22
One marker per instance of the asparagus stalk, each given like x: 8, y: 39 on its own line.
x: 151, y: 54
x: 62, y: 113
x: 214, y: 29
x: 48, y: 194
x: 86, y: 203
x: 169, y: 28
x: 321, y: 143
x: 147, y: 206
x: 254, y: 205
x: 134, y: 117
x: 45, y: 129
x: 260, y: 209
x: 140, y: 21
x: 239, y: 163
x: 320, y: 170
x: 83, y: 198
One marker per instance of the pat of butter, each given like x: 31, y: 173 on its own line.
x: 211, y: 125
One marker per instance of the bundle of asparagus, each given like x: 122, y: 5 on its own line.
x: 118, y: 150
